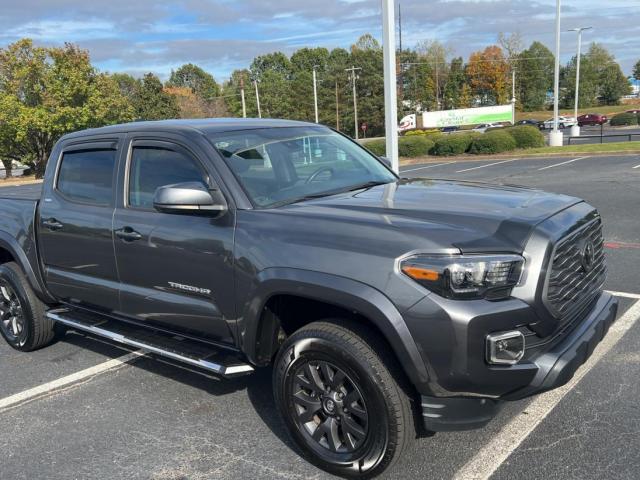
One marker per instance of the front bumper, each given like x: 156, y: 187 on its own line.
x: 553, y: 368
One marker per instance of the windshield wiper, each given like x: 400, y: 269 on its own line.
x: 328, y: 193
x: 372, y: 183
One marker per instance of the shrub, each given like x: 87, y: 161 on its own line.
x: 377, y: 147
x: 414, y: 146
x: 493, y: 142
x: 623, y: 119
x: 422, y: 132
x: 526, y: 136
x: 453, y: 144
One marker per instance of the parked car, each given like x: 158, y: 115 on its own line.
x: 486, y: 126
x: 378, y: 301
x: 635, y: 111
x: 530, y: 121
x: 592, y: 119
x: 449, y: 129
x: 563, y: 122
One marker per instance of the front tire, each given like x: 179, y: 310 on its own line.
x: 22, y: 321
x: 343, y: 398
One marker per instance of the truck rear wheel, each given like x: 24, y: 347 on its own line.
x: 22, y: 321
x: 340, y: 395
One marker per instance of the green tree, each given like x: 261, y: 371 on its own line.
x: 47, y: 92
x: 366, y: 54
x: 455, y: 82
x: 151, y: 102
x: 201, y: 83
x: 534, y: 74
x: 601, y: 79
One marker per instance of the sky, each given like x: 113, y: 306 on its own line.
x: 139, y: 36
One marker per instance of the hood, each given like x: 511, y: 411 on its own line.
x: 435, y: 214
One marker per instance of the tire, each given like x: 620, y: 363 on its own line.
x: 22, y: 321
x: 371, y: 422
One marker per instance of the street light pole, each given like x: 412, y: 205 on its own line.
x: 575, y: 130
x: 390, y: 83
x: 354, y: 77
x: 244, y: 103
x: 555, y: 137
x: 315, y: 92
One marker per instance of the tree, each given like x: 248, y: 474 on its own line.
x: 435, y: 54
x: 151, y: 102
x: 201, y: 83
x: 534, y: 76
x: 455, y: 83
x: 636, y: 70
x: 601, y: 79
x: 488, y: 71
x: 47, y: 92
x: 191, y: 105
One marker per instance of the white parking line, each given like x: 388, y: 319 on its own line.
x: 487, y: 165
x: 69, y: 380
x: 428, y: 166
x: 563, y: 163
x: 637, y: 166
x: 625, y: 294
x: 487, y: 461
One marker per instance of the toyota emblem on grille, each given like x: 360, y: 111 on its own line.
x: 587, y: 256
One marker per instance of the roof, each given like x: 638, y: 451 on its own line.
x: 205, y: 125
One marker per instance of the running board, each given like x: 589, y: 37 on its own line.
x: 183, y: 350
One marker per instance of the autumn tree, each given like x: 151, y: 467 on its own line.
x: 151, y: 102
x: 488, y: 71
x: 193, y: 77
x: 47, y: 92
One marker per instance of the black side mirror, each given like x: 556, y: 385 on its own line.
x: 386, y: 161
x: 189, y: 197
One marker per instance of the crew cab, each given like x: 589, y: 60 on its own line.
x: 233, y: 244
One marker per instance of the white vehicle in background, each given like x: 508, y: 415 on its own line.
x: 563, y: 122
x: 483, y: 127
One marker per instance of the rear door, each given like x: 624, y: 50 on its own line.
x: 176, y: 269
x: 75, y: 224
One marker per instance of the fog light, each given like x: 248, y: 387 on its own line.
x: 506, y: 348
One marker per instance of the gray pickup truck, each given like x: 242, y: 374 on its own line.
x: 387, y: 307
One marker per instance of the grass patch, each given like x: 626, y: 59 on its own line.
x: 589, y: 148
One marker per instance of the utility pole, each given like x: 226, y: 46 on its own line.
x: 390, y: 87
x: 255, y: 84
x: 353, y: 77
x: 513, y: 85
x: 244, y: 103
x: 337, y: 108
x: 400, y: 24
x: 575, y: 130
x: 315, y: 92
x: 555, y: 137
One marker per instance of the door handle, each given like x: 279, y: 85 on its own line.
x: 52, y: 224
x: 128, y: 234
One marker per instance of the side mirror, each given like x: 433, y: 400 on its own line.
x: 189, y: 197
x: 386, y: 161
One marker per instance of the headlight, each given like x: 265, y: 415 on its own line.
x: 466, y: 276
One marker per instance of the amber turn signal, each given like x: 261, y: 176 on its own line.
x: 419, y: 273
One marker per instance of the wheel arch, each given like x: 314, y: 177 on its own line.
x: 10, y: 251
x: 258, y: 327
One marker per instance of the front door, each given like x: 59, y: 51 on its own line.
x: 176, y: 270
x: 75, y: 224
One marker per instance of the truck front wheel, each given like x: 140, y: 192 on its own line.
x: 342, y: 397
x: 22, y: 321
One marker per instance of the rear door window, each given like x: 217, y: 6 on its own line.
x: 87, y: 176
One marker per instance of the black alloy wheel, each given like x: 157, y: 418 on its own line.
x: 12, y: 320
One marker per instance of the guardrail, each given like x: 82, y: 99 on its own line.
x: 601, y: 137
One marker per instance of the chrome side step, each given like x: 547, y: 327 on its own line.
x: 183, y: 350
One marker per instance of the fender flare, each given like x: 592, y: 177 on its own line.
x: 342, y: 292
x: 10, y: 244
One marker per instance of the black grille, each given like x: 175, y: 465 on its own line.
x: 574, y: 282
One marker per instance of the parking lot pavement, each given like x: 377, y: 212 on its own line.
x: 146, y: 419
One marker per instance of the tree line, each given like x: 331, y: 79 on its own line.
x: 46, y: 92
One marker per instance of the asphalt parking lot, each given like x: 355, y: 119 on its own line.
x: 135, y: 417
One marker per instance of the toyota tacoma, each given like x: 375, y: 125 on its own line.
x: 386, y: 307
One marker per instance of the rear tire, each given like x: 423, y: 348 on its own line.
x: 22, y: 321
x: 343, y: 398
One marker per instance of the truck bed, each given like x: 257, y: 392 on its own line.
x: 22, y: 192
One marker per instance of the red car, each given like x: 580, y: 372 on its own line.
x: 592, y: 119
x: 636, y: 111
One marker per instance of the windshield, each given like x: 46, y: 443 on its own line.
x: 277, y: 166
